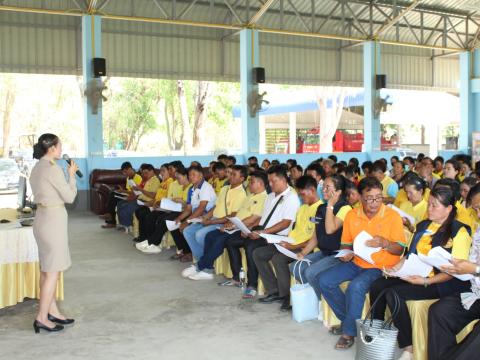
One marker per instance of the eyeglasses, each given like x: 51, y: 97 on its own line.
x: 326, y: 187
x: 378, y: 199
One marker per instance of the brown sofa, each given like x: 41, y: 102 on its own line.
x: 103, y: 181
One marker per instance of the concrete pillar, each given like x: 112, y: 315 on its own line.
x: 92, y: 48
x: 292, y: 132
x: 249, y: 58
x: 371, y: 67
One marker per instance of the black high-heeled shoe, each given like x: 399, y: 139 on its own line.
x: 60, y: 321
x: 37, y: 325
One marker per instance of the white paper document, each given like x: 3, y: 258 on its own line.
x: 124, y: 197
x: 194, y: 220
x: 277, y: 239
x: 231, y: 231
x: 361, y: 249
x: 288, y: 253
x: 131, y: 182
x: 171, y: 225
x: 439, y: 257
x: 240, y: 225
x: 343, y: 252
x: 137, y: 193
x: 140, y: 202
x: 403, y: 214
x: 170, y: 205
x: 412, y: 266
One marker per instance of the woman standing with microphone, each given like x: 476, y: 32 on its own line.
x: 51, y: 191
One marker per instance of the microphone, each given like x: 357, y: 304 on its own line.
x: 69, y: 162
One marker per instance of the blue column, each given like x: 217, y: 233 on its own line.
x: 249, y: 58
x: 371, y: 67
x: 469, y: 98
x: 92, y: 48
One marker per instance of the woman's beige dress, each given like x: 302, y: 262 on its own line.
x: 51, y: 191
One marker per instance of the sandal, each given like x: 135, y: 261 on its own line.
x: 344, y: 343
x: 336, y: 330
x: 186, y: 258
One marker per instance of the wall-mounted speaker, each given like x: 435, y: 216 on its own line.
x: 258, y: 75
x: 99, y: 67
x: 381, y: 81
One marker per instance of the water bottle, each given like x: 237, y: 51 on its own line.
x: 243, y: 283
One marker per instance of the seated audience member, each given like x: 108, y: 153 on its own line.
x: 402, y: 195
x: 352, y: 195
x: 465, y: 186
x: 227, y: 204
x: 393, y: 160
x: 416, y: 205
x: 353, y: 162
x: 195, y: 163
x: 223, y: 158
x: 390, y: 187
x: 367, y: 168
x: 420, y: 157
x: 113, y: 200
x: 211, y: 181
x: 200, y: 199
x: 409, y: 163
x: 424, y: 170
x: 462, y: 215
x: 296, y: 172
x: 231, y: 160
x: 252, y: 160
x: 152, y: 232
x: 265, y: 164
x: 277, y: 218
x: 148, y: 191
x: 352, y: 174
x: 327, y: 165
x: 452, y: 169
x: 438, y: 166
x: 339, y: 169
x: 291, y: 163
x: 275, y: 162
x: 277, y: 285
x: 398, y: 171
x: 250, y: 213
x: 316, y: 171
x: 328, y: 232
x: 333, y: 158
x: 220, y: 171
x: 447, y: 317
x: 386, y: 228
x: 441, y: 229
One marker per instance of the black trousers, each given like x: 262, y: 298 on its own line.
x: 278, y: 282
x: 155, y: 226
x: 180, y: 242
x: 446, y: 318
x: 405, y: 292
x: 141, y: 213
x: 234, y: 243
x: 112, y: 202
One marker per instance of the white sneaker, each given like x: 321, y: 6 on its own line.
x: 201, y: 275
x: 151, y: 249
x: 141, y: 245
x: 192, y: 269
x: 407, y: 355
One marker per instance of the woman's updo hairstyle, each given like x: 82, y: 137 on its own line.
x: 45, y: 142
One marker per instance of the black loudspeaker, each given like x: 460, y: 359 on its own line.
x: 99, y: 67
x: 381, y: 81
x: 258, y: 75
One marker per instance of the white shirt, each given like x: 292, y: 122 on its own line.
x: 286, y: 210
x: 204, y: 192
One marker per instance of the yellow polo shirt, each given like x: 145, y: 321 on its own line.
x: 137, y: 179
x: 229, y: 201
x: 163, y: 189
x: 175, y: 190
x: 304, y: 228
x: 218, y: 185
x: 460, y: 244
x: 151, y: 185
x: 418, y: 211
x: 252, y: 205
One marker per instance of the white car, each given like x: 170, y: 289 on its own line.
x: 9, y: 174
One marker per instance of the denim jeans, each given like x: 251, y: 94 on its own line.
x: 311, y: 273
x: 195, y: 235
x: 125, y: 211
x: 347, y: 306
x: 214, y: 246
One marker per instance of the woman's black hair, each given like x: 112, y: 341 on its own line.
x: 353, y: 161
x: 45, y: 142
x: 416, y: 181
x: 164, y: 165
x: 456, y: 165
x: 473, y: 191
x: 446, y: 197
x: 453, y: 185
x: 469, y: 181
x: 182, y: 171
x: 350, y: 185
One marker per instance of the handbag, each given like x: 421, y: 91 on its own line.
x: 303, y: 298
x: 377, y: 339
